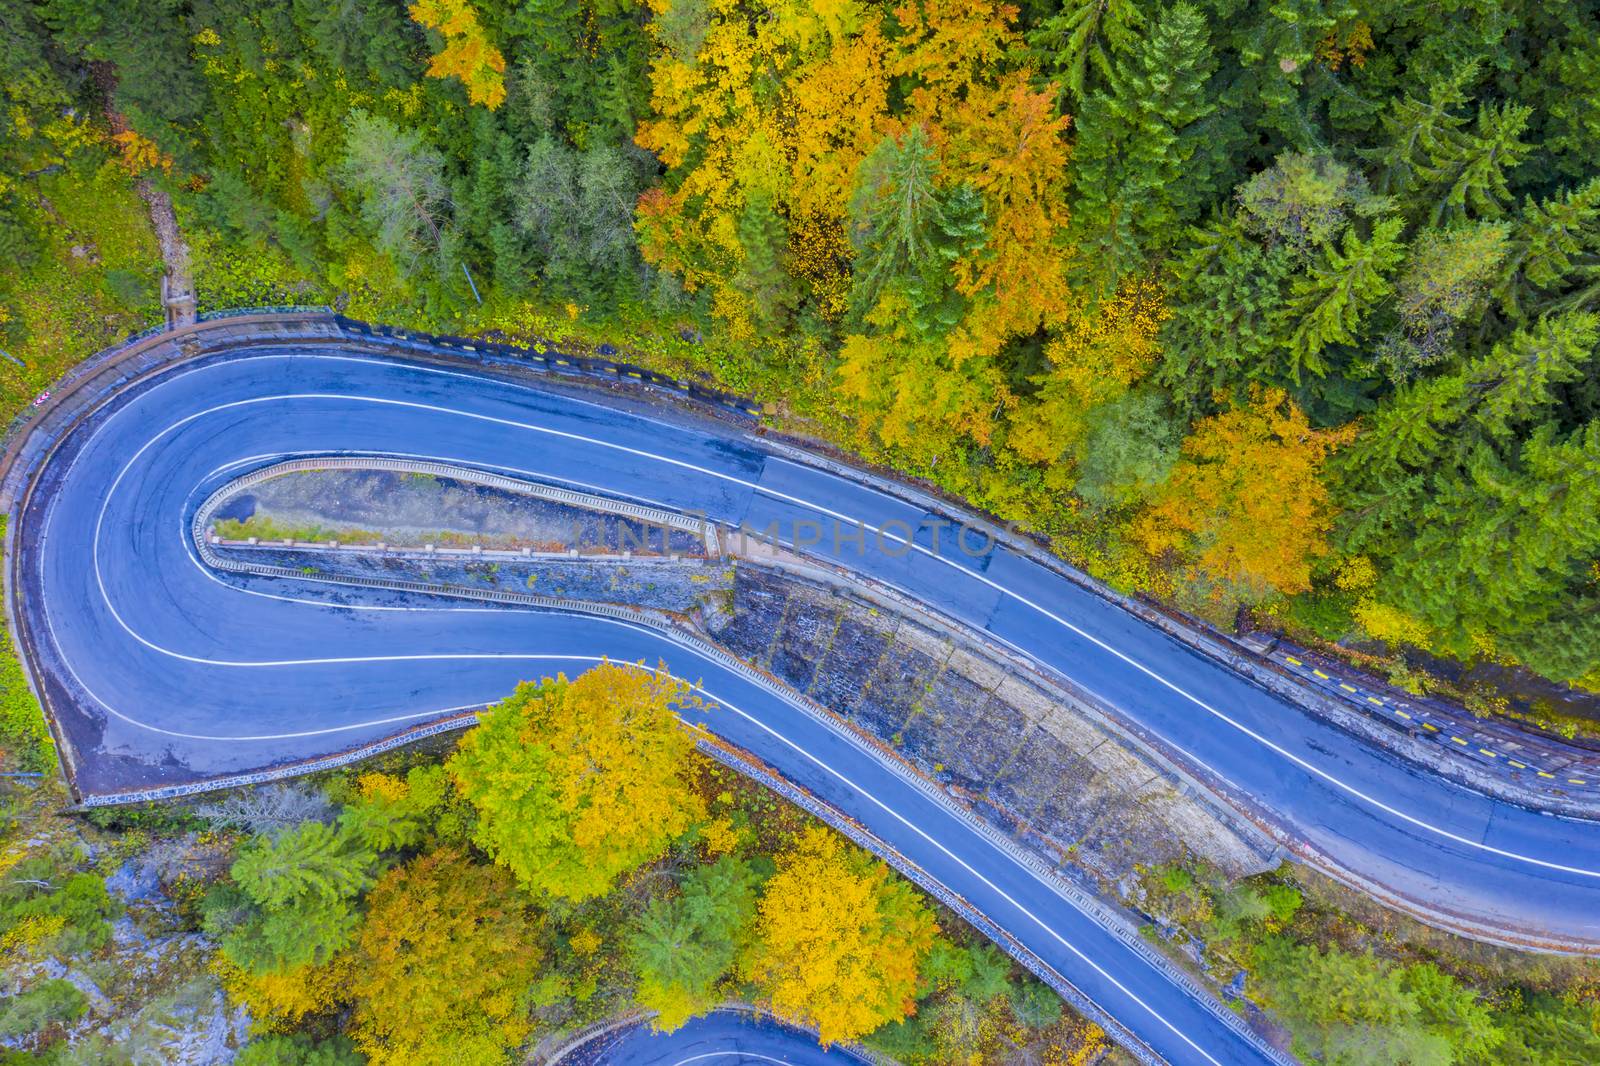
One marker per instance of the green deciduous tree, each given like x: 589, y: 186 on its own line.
x: 576, y: 210
x: 399, y: 182
x: 1127, y: 451
x: 577, y: 782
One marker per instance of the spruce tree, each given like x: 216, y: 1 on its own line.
x: 1329, y: 304
x: 1080, y: 39
x: 894, y: 214
x: 1464, y: 173
x: 1128, y: 166
x: 1553, y: 242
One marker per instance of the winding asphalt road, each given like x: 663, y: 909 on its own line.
x: 183, y: 673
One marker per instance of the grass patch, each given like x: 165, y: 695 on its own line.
x: 97, y: 277
x: 25, y: 741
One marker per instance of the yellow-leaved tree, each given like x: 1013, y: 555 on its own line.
x: 761, y: 124
x: 468, y: 53
x: 1247, y: 500
x: 577, y: 782
x: 839, y: 940
x: 444, y: 964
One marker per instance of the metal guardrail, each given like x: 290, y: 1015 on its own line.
x: 576, y: 1040
x: 650, y: 516
x: 547, y: 357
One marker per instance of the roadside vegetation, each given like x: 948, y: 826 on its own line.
x: 573, y: 858
x: 1353, y: 983
x: 25, y: 742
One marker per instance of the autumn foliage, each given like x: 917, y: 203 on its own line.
x: 444, y: 963
x: 467, y: 54
x: 578, y: 781
x: 839, y: 941
x: 1247, y: 497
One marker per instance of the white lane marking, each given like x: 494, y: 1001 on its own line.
x: 1147, y: 671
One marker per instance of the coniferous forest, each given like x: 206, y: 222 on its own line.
x: 1285, y: 306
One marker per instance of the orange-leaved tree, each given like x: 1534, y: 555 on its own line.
x: 839, y: 940
x: 1247, y: 500
x: 577, y: 782
x: 444, y: 964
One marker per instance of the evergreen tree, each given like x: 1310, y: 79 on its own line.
x: 311, y: 860
x: 1328, y: 305
x: 763, y: 276
x: 894, y: 214
x: 684, y: 946
x: 292, y: 902
x: 1081, y: 37
x: 1553, y: 243
x: 1134, y: 138
x: 1413, y: 129
x: 1464, y: 173
x: 1227, y: 296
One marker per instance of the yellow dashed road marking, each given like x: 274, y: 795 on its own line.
x: 1576, y: 781
x: 1374, y: 699
x: 1402, y: 714
x: 1347, y: 688
x: 1292, y: 661
x: 1518, y: 765
x: 1322, y: 675
x: 1458, y: 740
x: 1543, y: 774
x: 1486, y: 751
x: 1430, y: 727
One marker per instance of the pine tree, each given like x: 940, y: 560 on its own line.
x: 1329, y: 304
x: 960, y: 230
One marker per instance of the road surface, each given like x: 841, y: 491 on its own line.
x: 185, y: 673
x: 722, y: 1038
